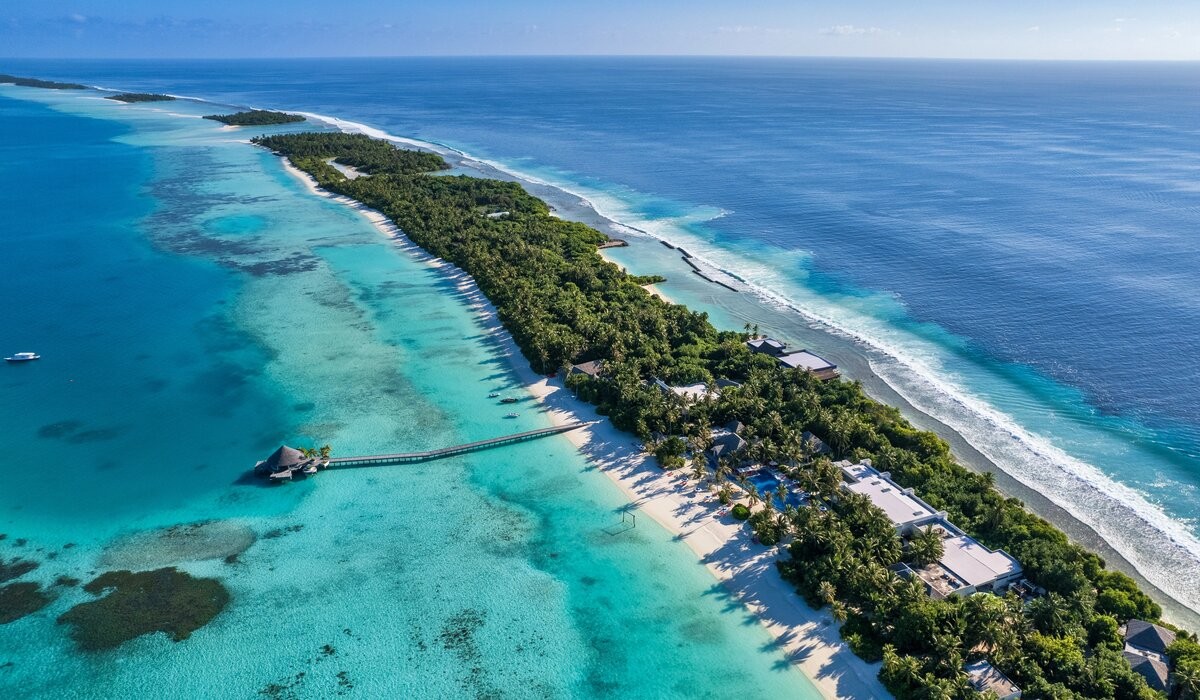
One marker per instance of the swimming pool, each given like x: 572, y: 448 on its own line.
x: 766, y: 482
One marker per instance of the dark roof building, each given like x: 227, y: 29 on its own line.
x: 767, y: 346
x: 818, y: 445
x: 1146, y: 651
x: 726, y: 443
x: 1143, y: 635
x: 1154, y: 670
x: 284, y: 459
x: 591, y: 369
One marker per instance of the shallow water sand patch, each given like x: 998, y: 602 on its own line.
x: 164, y: 600
x: 213, y: 539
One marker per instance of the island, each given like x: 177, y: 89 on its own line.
x: 130, y: 97
x: 37, y: 83
x: 256, y: 117
x: 955, y: 587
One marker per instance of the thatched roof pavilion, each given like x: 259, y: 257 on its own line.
x: 284, y: 459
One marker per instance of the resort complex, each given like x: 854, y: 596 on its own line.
x: 928, y: 566
x: 965, y: 566
x: 803, y: 359
x: 742, y: 351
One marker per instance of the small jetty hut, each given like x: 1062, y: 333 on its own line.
x: 285, y: 462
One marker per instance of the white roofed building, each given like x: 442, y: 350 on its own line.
x: 985, y: 677
x: 822, y: 368
x: 966, y: 566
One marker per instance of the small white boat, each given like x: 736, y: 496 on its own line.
x: 23, y: 357
x: 512, y: 415
x: 493, y: 395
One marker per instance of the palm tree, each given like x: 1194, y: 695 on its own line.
x: 826, y: 592
x: 325, y: 451
x: 926, y: 547
x: 752, y: 492
x: 1187, y: 678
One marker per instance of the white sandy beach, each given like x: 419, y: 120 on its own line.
x: 809, y: 638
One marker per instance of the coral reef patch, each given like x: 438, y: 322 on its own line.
x: 137, y: 603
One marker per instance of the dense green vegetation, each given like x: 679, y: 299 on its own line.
x: 564, y: 304
x: 34, y: 82
x: 256, y: 117
x: 139, y: 97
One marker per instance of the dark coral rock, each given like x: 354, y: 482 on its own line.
x: 20, y: 599
x: 15, y: 568
x: 144, y: 602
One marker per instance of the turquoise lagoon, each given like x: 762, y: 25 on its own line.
x: 195, y: 306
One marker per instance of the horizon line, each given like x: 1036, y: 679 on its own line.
x: 976, y: 59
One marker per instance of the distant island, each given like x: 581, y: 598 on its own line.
x: 255, y: 117
x: 35, y: 82
x: 140, y: 97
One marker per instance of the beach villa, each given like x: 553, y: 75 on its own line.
x: 819, y: 366
x: 965, y: 567
x: 986, y: 678
x: 726, y: 442
x: 1146, y: 651
x: 689, y: 392
x: 823, y: 369
x: 286, y: 462
x: 767, y: 346
x: 587, y: 369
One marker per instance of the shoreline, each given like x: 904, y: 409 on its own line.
x: 1119, y: 554
x: 856, y: 360
x: 852, y: 349
x: 808, y: 638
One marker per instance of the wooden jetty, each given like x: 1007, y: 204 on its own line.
x: 410, y: 457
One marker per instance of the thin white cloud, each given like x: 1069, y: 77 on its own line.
x: 1035, y: 28
x: 850, y: 30
x: 77, y: 18
x: 748, y: 29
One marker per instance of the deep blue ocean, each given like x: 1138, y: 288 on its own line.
x: 1011, y: 246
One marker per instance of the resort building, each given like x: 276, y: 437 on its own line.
x: 695, y: 392
x: 818, y: 445
x: 286, y: 462
x: 822, y: 368
x: 819, y: 366
x: 726, y: 443
x: 589, y: 369
x: 986, y: 678
x: 767, y: 346
x: 966, y: 566
x: 689, y: 392
x: 1146, y: 651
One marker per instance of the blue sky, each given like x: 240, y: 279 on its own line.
x: 1070, y: 29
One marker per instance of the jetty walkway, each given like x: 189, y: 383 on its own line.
x: 409, y: 457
